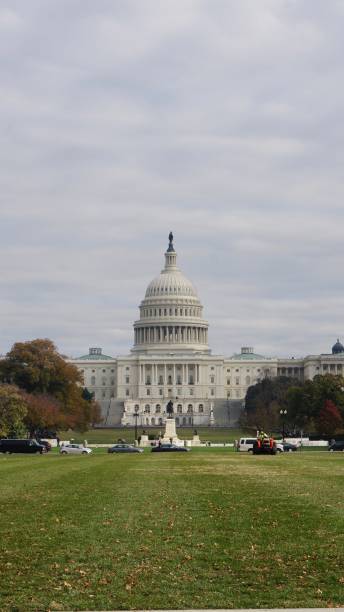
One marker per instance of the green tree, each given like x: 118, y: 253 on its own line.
x: 13, y: 410
x: 264, y: 401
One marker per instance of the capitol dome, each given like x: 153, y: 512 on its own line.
x: 171, y: 313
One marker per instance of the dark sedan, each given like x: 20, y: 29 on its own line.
x: 168, y: 448
x: 124, y: 448
x: 288, y: 447
x: 336, y: 446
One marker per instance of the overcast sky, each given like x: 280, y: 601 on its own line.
x: 221, y: 120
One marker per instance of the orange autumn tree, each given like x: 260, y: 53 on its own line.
x: 37, y: 368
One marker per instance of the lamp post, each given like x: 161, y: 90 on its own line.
x: 136, y: 414
x: 283, y: 414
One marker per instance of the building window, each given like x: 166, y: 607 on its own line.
x: 112, y: 371
x: 179, y: 409
x: 127, y: 392
x: 228, y: 381
x: 212, y: 368
x: 191, y: 391
x: 104, y: 394
x: 112, y: 381
x: 127, y: 380
x: 157, y: 408
x: 161, y: 380
x: 93, y: 380
x: 148, y: 380
x: 200, y: 408
x: 160, y: 391
x: 103, y: 381
x: 104, y: 371
x: 191, y: 380
x: 248, y: 380
x: 237, y: 380
x: 212, y: 392
x: 212, y: 379
x: 189, y: 408
x: 179, y: 380
x: 237, y: 370
x: 147, y: 408
x: 112, y: 394
x: 169, y: 380
x: 148, y: 392
x: 238, y: 393
x: 127, y: 368
x: 228, y: 370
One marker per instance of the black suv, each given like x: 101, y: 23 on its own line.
x: 337, y: 446
x: 21, y: 446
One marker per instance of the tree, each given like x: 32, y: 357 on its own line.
x: 43, y: 414
x: 264, y: 401
x: 38, y: 368
x: 329, y: 419
x: 13, y: 409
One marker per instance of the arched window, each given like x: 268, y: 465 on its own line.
x: 169, y: 381
x: 153, y: 421
x: 177, y: 420
x: 147, y: 421
x: 190, y: 408
x: 179, y: 409
x: 190, y: 420
x: 184, y: 420
x: 200, y: 408
x: 136, y: 407
x: 147, y: 408
x: 157, y: 408
x: 160, y: 421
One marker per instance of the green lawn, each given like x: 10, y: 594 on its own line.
x: 203, y: 529
x: 105, y: 436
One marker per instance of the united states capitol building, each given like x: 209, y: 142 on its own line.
x: 171, y: 359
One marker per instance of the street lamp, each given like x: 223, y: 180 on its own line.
x: 283, y: 414
x: 136, y: 414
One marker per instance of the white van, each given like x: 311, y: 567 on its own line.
x: 246, y: 444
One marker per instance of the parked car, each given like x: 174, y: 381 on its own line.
x: 168, y: 448
x: 124, y: 448
x: 288, y: 447
x: 74, y: 449
x: 16, y: 445
x: 337, y: 446
x: 46, y: 444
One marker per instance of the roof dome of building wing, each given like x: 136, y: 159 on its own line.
x: 337, y: 348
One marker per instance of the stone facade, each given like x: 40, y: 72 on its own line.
x: 171, y: 359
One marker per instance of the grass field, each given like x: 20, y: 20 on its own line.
x: 105, y: 436
x: 204, y: 529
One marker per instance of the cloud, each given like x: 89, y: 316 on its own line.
x: 221, y: 120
